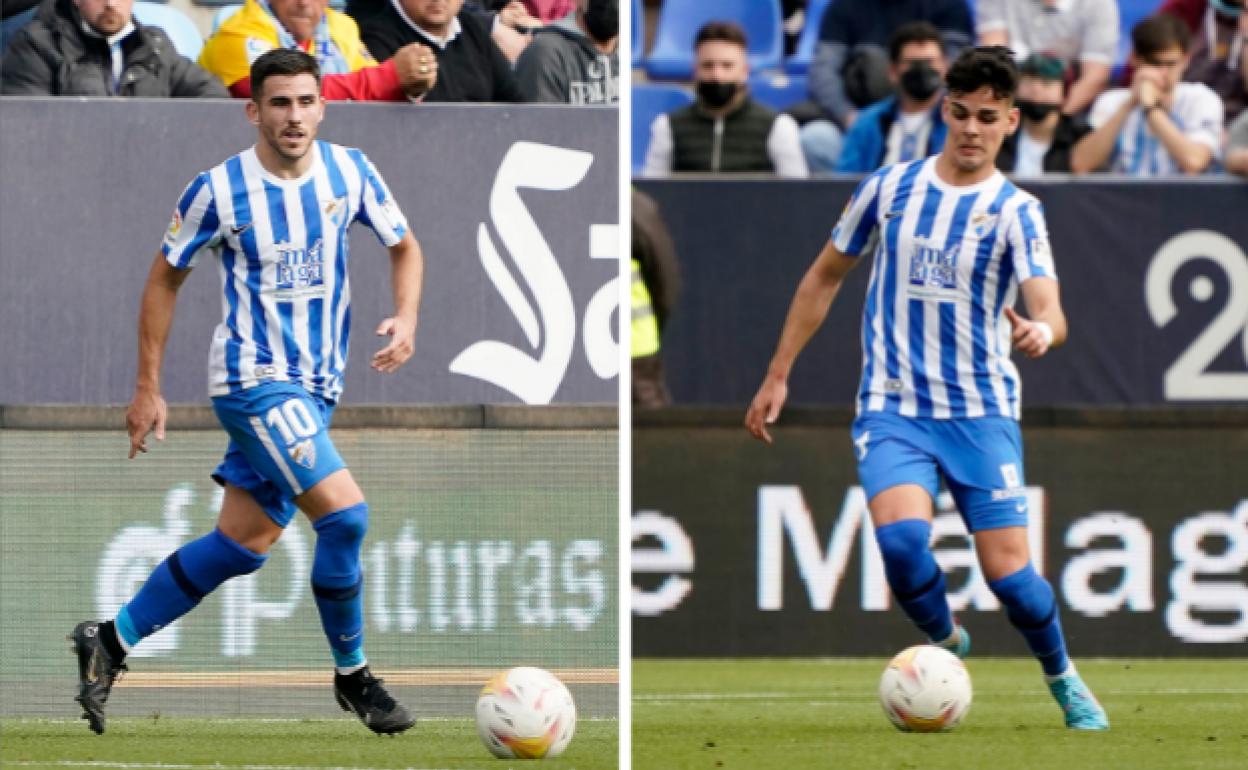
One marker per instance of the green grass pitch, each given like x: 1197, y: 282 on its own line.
x: 237, y: 744
x: 796, y: 714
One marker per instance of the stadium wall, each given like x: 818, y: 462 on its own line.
x: 1154, y: 283
x: 516, y: 209
x: 1139, y: 518
x: 492, y: 542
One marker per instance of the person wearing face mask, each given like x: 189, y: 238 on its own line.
x: 575, y: 60
x: 1219, y: 54
x: 1045, y: 136
x: 903, y: 127
x: 724, y: 129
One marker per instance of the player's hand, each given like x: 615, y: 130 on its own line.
x: 402, y: 345
x: 765, y: 408
x: 146, y: 414
x: 417, y: 67
x: 1028, y: 336
x: 1146, y: 86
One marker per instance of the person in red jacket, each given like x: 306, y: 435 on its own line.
x: 1219, y: 55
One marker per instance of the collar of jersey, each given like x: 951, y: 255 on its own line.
x: 250, y: 158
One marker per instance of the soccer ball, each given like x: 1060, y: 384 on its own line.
x: 925, y: 689
x: 525, y: 713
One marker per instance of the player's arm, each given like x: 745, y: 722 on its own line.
x: 146, y: 412
x: 407, y: 267
x: 810, y: 306
x: 1046, y: 328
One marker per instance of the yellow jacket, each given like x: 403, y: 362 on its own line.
x: 228, y: 54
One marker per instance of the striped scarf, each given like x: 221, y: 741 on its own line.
x: 327, y: 54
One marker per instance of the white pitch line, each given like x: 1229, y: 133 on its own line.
x: 759, y: 696
x: 175, y: 766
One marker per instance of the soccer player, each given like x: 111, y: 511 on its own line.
x: 939, y: 396
x: 274, y: 220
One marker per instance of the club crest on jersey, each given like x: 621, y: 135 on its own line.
x: 303, y: 453
x: 982, y: 223
x: 933, y: 267
x: 336, y: 210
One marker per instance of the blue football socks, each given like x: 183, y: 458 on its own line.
x: 337, y: 583
x: 914, y: 575
x: 180, y: 582
x: 1031, y: 607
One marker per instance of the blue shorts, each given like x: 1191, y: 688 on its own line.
x: 980, y: 460
x: 279, y: 444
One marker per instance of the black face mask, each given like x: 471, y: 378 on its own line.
x: 602, y: 19
x: 715, y: 94
x: 1035, y: 110
x: 920, y: 81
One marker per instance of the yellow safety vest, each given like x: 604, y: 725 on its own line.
x: 645, y: 330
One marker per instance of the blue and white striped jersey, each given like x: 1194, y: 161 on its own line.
x: 948, y: 261
x: 1196, y: 111
x: 281, y: 249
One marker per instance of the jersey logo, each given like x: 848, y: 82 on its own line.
x: 861, y: 443
x: 303, y: 453
x: 175, y: 227
x: 336, y: 210
x: 934, y: 270
x: 983, y: 222
x: 300, y: 271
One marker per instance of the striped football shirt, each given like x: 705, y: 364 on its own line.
x: 948, y: 261
x: 280, y: 246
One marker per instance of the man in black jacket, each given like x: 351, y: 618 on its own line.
x: 471, y: 68
x: 1045, y: 136
x: 95, y: 48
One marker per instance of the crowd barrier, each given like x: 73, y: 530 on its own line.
x: 1154, y: 281
x: 516, y: 209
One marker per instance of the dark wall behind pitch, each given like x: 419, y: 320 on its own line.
x: 87, y: 188
x: 744, y: 245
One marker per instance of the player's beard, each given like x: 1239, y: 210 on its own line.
x: 292, y: 150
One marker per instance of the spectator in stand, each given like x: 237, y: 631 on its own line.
x: 575, y: 60
x: 15, y: 14
x: 1045, y: 135
x: 1219, y: 55
x: 471, y: 67
x: 904, y: 126
x: 509, y: 22
x: 1081, y: 32
x: 851, y: 64
x: 1158, y: 126
x: 550, y: 10
x: 95, y: 48
x: 655, y: 288
x: 349, y: 71
x: 724, y: 129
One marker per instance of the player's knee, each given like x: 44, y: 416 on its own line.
x: 905, y: 548
x: 345, y: 527
x: 1027, y: 596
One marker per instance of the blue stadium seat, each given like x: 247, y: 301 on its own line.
x: 1130, y: 13
x: 639, y: 32
x: 224, y: 13
x: 778, y: 91
x: 679, y: 22
x: 649, y: 102
x: 180, y: 29
x: 799, y: 62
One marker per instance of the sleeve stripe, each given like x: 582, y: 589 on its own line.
x: 198, y: 211
x: 859, y: 220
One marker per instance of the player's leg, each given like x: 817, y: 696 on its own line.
x: 237, y: 546
x: 900, y: 479
x: 983, y: 464
x: 339, y: 514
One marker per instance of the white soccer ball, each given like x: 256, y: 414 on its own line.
x: 525, y: 713
x: 925, y: 689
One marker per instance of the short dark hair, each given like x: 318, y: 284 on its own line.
x: 282, y: 61
x: 991, y: 66
x: 1159, y: 32
x: 1043, y: 66
x: 911, y: 32
x: 721, y: 31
